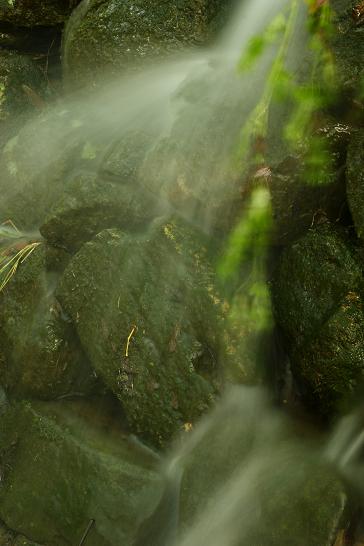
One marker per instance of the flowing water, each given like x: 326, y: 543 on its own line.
x: 191, y: 111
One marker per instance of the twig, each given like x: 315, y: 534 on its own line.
x: 88, y: 529
x: 129, y: 339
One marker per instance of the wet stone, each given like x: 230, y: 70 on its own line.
x: 41, y: 356
x: 105, y: 38
x: 22, y: 90
x: 330, y: 366
x: 90, y: 204
x: 348, y: 45
x: 66, y: 464
x: 146, y: 313
x: 355, y: 181
x: 313, y: 277
x: 30, y: 13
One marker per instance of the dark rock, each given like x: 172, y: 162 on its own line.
x: 301, y: 198
x: 355, y: 181
x: 37, y: 164
x: 66, y: 464
x: 22, y: 84
x: 314, y: 276
x: 30, y: 13
x: 42, y: 357
x: 348, y: 45
x: 59, y: 178
x: 330, y: 367
x: 106, y: 37
x: 147, y: 315
x: 90, y: 204
x: 233, y: 487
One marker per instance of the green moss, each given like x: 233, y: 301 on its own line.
x: 41, y: 354
x: 135, y: 31
x: 61, y: 482
x: 330, y: 366
x: 30, y: 13
x: 282, y: 497
x: 355, y: 181
x: 312, y: 278
x: 148, y: 322
x: 19, y: 78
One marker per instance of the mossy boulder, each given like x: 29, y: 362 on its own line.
x: 301, y: 199
x: 10, y: 538
x: 90, y: 204
x: 147, y: 316
x: 59, y: 178
x: 34, y: 165
x: 233, y: 488
x: 30, y: 13
x: 66, y: 464
x: 22, y: 90
x: 39, y: 162
x: 317, y: 297
x: 355, y: 181
x: 106, y: 37
x: 40, y: 350
x: 348, y: 45
x: 330, y: 366
x: 312, y: 279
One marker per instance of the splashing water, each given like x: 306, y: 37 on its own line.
x: 184, y: 115
x: 246, y: 476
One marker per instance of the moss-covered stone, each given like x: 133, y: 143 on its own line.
x: 299, y: 203
x: 42, y: 357
x: 30, y: 13
x: 233, y: 487
x: 146, y: 313
x: 105, y: 37
x: 22, y: 90
x: 355, y: 181
x: 90, y: 204
x: 65, y: 465
x: 312, y: 279
x: 39, y: 163
x: 330, y: 367
x: 348, y: 45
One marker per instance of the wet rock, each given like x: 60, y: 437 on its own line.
x: 234, y: 489
x: 355, y: 181
x: 90, y: 204
x: 41, y: 354
x: 348, y: 45
x: 146, y: 313
x: 66, y: 464
x: 37, y: 164
x: 314, y: 276
x: 330, y: 366
x: 22, y: 88
x: 298, y: 201
x: 30, y: 13
x: 318, y: 305
x: 105, y: 38
x: 70, y: 183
